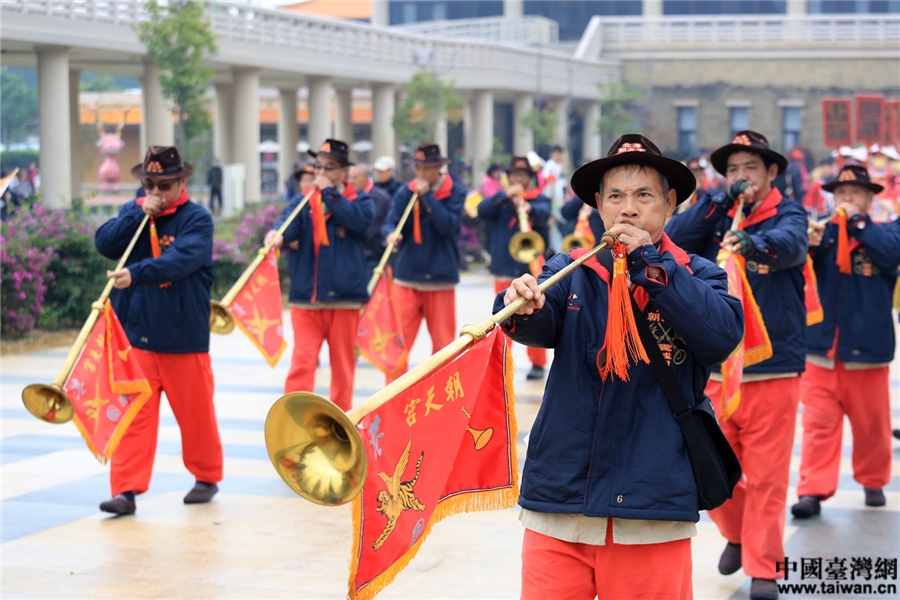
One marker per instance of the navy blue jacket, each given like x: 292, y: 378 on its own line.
x: 337, y: 272
x: 500, y: 224
x: 172, y: 319
x: 857, y: 306
x: 569, y: 212
x: 774, y: 270
x: 436, y: 259
x: 614, y: 449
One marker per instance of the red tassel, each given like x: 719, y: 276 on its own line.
x: 320, y: 232
x: 154, y: 239
x: 843, y: 247
x: 417, y: 225
x: 622, y: 340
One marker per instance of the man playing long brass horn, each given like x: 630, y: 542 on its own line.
x: 162, y: 300
x: 608, y: 495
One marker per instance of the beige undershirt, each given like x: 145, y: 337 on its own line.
x: 751, y: 377
x: 828, y: 363
x: 581, y: 529
x: 424, y: 286
x: 328, y: 305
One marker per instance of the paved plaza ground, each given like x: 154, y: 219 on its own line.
x: 257, y: 539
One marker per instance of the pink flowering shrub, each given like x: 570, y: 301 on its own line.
x: 23, y: 273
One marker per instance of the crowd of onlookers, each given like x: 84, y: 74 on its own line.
x: 19, y: 190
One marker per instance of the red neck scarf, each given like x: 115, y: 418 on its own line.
x: 768, y: 209
x: 441, y: 193
x: 316, y: 204
x: 369, y: 186
x: 154, y: 236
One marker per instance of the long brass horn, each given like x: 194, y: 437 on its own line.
x: 376, y: 274
x: 49, y: 402
x: 526, y: 245
x: 221, y: 320
x: 316, y: 447
x: 572, y: 241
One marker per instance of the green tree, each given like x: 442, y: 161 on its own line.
x: 427, y: 98
x: 618, y: 110
x: 542, y: 123
x: 178, y: 38
x: 18, y: 106
x: 99, y: 83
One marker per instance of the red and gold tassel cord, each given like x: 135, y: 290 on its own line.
x: 843, y: 245
x: 154, y: 239
x: 622, y: 341
x: 417, y: 224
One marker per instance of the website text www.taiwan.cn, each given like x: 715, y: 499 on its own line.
x: 856, y: 575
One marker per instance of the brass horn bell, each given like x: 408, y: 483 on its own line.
x: 48, y: 403
x: 526, y: 246
x: 220, y: 320
x: 572, y: 241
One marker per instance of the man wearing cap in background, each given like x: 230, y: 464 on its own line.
x: 374, y: 244
x: 162, y: 299
x: 384, y: 175
x: 608, y: 497
x: 427, y: 267
x: 773, y: 240
x: 500, y: 215
x: 847, y: 363
x: 328, y: 274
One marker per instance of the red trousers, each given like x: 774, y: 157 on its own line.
x: 187, y: 380
x: 537, y: 356
x: 864, y: 396
x: 761, y: 431
x: 439, y: 311
x: 561, y: 570
x: 311, y: 328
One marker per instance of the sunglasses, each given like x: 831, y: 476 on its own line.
x: 163, y: 187
x: 327, y: 169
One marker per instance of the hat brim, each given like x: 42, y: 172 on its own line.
x: 427, y: 163
x: 138, y: 172
x: 872, y: 187
x: 336, y: 157
x: 719, y: 158
x: 585, y: 181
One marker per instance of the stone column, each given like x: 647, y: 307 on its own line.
x: 343, y: 115
x: 223, y: 147
x: 652, y: 8
x: 440, y: 133
x: 523, y: 137
x: 796, y: 7
x: 592, y: 145
x: 482, y: 111
x: 287, y: 135
x: 319, y: 111
x: 246, y: 128
x: 383, y: 120
x: 561, y: 132
x: 381, y: 14
x: 75, y: 132
x: 513, y: 9
x: 54, y: 130
x: 158, y: 127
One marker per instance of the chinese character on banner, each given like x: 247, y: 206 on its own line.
x: 107, y: 386
x: 257, y: 310
x: 836, y: 126
x: 869, y: 119
x: 457, y: 458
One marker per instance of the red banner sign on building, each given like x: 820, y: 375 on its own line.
x: 892, y: 109
x: 836, y: 124
x: 869, y: 119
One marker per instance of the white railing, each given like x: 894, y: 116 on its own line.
x: 770, y: 31
x: 527, y: 31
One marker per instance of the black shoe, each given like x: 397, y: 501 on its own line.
x: 201, y: 493
x: 874, y: 497
x: 763, y: 589
x: 730, y: 561
x: 807, y: 507
x: 122, y: 504
x: 536, y: 372
x: 897, y: 434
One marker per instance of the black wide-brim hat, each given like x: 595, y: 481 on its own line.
x: 632, y: 149
x: 162, y: 162
x: 520, y: 163
x: 747, y: 141
x: 856, y: 175
x: 335, y: 149
x: 429, y: 154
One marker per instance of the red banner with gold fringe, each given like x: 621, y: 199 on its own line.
x: 380, y: 338
x: 444, y: 446
x: 258, y: 311
x: 756, y: 345
x: 107, y: 386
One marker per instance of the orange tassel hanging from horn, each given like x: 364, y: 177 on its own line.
x: 320, y: 231
x: 154, y: 239
x: 417, y: 224
x: 622, y: 340
x: 843, y: 245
